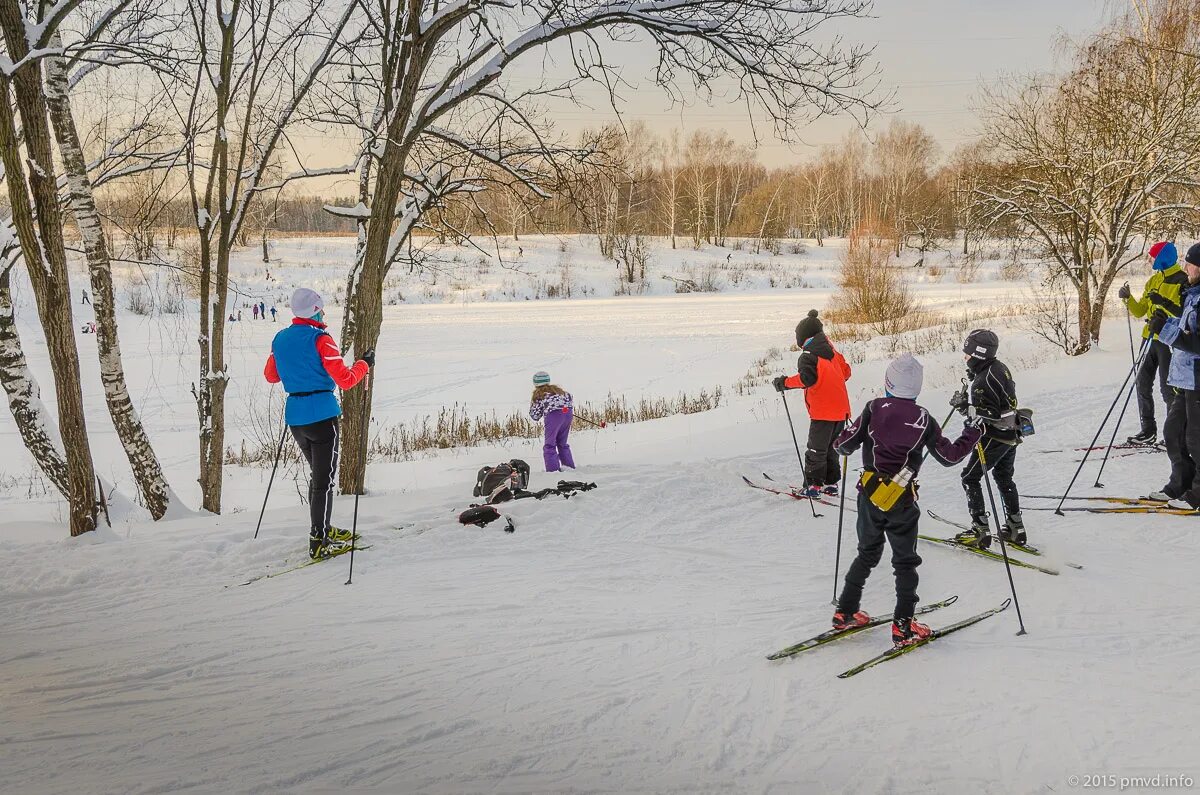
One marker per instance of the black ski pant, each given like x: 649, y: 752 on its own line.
x: 821, y: 466
x: 319, y: 444
x: 1155, y: 364
x: 899, y: 527
x: 1181, y: 432
x: 1001, y: 462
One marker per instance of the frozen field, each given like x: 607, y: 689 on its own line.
x: 615, y: 642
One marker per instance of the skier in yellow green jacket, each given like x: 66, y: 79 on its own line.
x: 1163, y: 291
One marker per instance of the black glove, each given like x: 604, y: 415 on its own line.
x: 974, y: 421
x: 1124, y: 293
x: 958, y: 401
x: 1156, y: 322
x: 780, y: 383
x: 368, y: 356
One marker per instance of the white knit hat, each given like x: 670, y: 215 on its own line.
x: 904, y: 377
x: 306, y: 302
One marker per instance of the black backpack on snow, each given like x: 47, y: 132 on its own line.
x: 501, y: 482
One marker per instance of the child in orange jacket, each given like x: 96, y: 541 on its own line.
x: 823, y: 374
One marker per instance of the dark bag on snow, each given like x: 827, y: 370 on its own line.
x: 482, y: 516
x: 502, y: 482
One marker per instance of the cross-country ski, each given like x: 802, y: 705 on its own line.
x: 933, y: 635
x: 835, y: 634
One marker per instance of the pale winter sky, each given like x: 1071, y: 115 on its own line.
x: 934, y: 54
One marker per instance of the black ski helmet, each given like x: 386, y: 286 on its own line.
x: 982, y: 344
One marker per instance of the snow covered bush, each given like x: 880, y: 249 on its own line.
x: 138, y: 300
x: 968, y: 269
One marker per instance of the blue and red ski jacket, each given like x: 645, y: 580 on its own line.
x: 305, y: 358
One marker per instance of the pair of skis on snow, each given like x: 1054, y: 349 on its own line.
x: 775, y: 487
x: 1124, y: 449
x: 837, y: 634
x: 1115, y: 505
x: 312, y: 562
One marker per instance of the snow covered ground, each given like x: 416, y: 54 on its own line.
x: 616, y: 641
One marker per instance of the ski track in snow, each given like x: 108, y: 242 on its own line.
x: 616, y: 641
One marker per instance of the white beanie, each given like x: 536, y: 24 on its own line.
x: 306, y: 302
x: 904, y: 376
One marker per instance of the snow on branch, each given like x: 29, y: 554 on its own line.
x: 764, y: 44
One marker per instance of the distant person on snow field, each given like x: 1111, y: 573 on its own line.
x: 272, y: 314
x: 554, y: 404
x: 256, y: 311
x: 1163, y: 291
x: 306, y: 359
x: 892, y: 432
x: 823, y: 374
x: 1181, y: 431
x: 991, y: 394
x: 262, y: 309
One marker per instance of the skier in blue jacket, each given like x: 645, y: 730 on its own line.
x: 306, y: 359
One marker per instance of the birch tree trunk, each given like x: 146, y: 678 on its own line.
x: 147, y: 471
x: 46, y: 260
x: 25, y: 398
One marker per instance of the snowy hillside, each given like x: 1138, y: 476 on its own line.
x: 616, y: 641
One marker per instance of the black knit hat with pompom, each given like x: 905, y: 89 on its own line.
x: 808, y: 327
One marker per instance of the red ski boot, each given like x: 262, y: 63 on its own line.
x: 850, y: 620
x: 907, y: 631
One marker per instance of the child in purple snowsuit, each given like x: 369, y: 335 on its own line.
x: 555, y: 405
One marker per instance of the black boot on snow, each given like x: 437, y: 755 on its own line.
x: 323, y: 545
x: 1014, y: 529
x: 1143, y: 438
x: 978, y: 536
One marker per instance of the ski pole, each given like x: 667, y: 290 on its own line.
x: 945, y: 422
x: 366, y: 421
x: 1058, y: 510
x: 1129, y: 323
x: 1116, y: 427
x: 1003, y: 549
x: 601, y: 424
x: 799, y: 457
x: 837, y: 557
x: 267, y: 496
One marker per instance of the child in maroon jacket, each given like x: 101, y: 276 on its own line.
x: 893, y: 433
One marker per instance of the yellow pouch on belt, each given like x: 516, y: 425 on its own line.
x: 883, y: 492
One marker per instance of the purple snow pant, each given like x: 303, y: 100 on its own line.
x: 556, y: 451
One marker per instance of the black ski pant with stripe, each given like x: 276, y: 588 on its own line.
x: 821, y: 465
x: 319, y: 444
x: 1001, y: 462
x: 899, y: 527
x: 1155, y: 364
